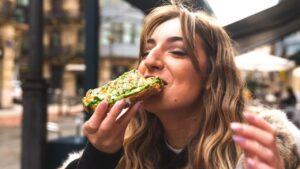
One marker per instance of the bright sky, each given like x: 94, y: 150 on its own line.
x: 229, y: 11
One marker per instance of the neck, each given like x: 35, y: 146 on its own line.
x: 180, y: 127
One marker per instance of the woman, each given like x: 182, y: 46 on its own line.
x: 197, y: 121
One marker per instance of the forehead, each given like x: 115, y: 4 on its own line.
x: 167, y: 29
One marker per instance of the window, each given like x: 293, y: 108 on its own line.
x: 55, y: 40
x: 105, y: 33
x: 23, y: 2
x: 79, y: 77
x: 292, y: 43
x: 56, y: 5
x: 81, y: 36
x: 127, y: 36
x: 56, y: 76
x: 117, y: 31
x: 137, y: 32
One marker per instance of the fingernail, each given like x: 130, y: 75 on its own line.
x: 122, y: 103
x: 249, y: 116
x: 250, y: 162
x: 238, y: 139
x: 235, y: 126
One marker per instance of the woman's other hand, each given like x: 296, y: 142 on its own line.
x: 258, y: 140
x: 105, y: 129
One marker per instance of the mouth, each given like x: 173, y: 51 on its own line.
x: 164, y: 81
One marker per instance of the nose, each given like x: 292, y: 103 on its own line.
x: 154, y: 60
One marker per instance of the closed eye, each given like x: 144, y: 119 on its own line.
x: 179, y: 53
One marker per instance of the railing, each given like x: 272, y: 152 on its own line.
x: 63, y: 16
x: 65, y: 53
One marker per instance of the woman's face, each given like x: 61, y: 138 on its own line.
x: 165, y: 56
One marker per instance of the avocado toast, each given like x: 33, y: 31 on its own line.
x: 131, y: 86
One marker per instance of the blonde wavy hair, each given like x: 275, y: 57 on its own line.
x: 222, y: 98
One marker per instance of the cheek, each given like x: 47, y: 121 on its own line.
x: 141, y: 68
x: 188, y: 90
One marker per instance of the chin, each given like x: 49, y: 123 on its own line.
x: 153, y: 104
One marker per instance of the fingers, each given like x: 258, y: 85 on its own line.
x: 113, y: 114
x: 130, y: 113
x: 105, y: 130
x: 253, y: 147
x: 91, y: 126
x: 252, y: 163
x: 257, y: 129
x: 258, y: 140
x: 254, y: 133
x: 260, y: 123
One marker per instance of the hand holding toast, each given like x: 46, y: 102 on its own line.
x: 104, y: 130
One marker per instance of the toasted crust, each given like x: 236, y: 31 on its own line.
x: 156, y: 88
x: 132, y: 99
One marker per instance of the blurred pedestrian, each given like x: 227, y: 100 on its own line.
x: 197, y: 121
x: 288, y: 98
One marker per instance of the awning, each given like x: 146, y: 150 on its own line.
x: 262, y: 62
x: 266, y: 26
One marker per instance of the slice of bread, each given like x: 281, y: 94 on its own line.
x: 131, y: 86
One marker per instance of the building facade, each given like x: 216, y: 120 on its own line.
x: 118, y: 46
x: 12, y: 29
x: 64, y: 41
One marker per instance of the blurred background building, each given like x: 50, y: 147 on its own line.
x: 268, y: 28
x: 12, y: 29
x: 63, y: 39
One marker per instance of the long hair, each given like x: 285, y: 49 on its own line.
x: 222, y: 99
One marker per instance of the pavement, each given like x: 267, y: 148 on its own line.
x: 63, y: 121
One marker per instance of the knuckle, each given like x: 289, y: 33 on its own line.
x: 86, y: 127
x: 271, y: 140
x: 269, y: 154
x: 104, y: 130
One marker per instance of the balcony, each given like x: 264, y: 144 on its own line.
x: 64, y: 54
x: 63, y: 17
x: 10, y: 11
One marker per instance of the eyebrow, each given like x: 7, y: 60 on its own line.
x: 170, y: 39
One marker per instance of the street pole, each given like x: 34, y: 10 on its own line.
x: 91, y: 44
x: 34, y: 119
